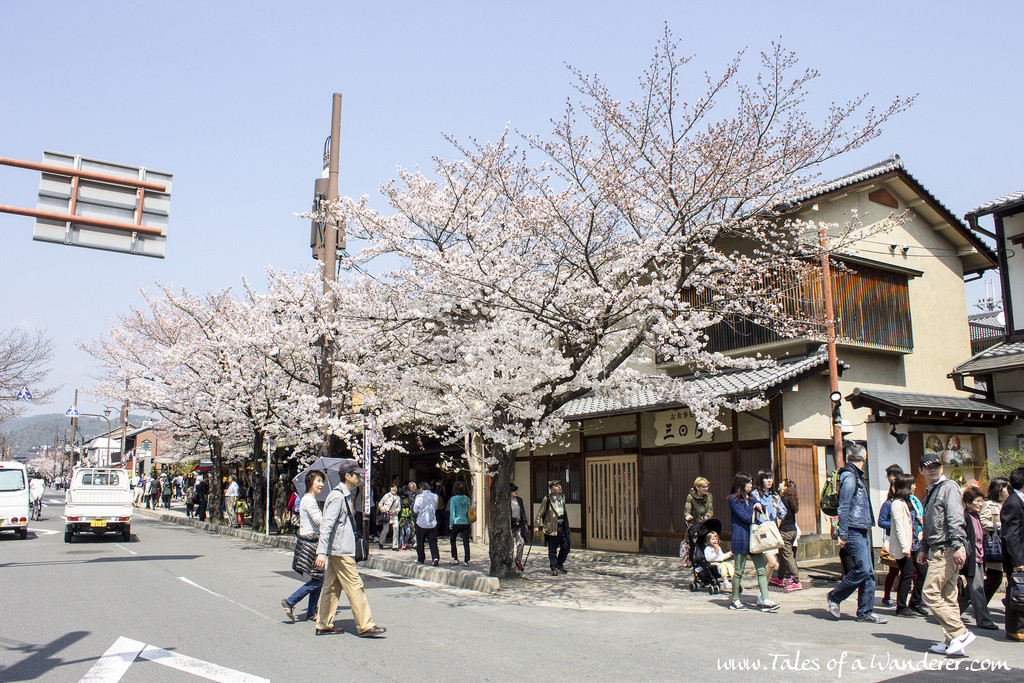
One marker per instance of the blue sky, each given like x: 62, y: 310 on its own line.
x: 234, y: 99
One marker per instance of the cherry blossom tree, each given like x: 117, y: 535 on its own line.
x: 24, y: 360
x: 530, y: 275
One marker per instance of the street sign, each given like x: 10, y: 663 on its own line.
x: 97, y: 204
x: 72, y: 411
x: 24, y: 395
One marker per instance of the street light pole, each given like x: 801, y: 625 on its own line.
x: 109, y: 429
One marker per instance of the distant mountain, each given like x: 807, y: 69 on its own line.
x: 24, y: 435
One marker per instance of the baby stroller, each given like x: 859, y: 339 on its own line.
x: 704, y: 575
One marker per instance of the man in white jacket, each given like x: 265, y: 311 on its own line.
x: 336, y: 556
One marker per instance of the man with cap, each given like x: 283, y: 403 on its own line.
x: 943, y: 547
x: 336, y: 556
x: 551, y: 517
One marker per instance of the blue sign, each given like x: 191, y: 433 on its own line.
x: 24, y: 394
x: 72, y: 411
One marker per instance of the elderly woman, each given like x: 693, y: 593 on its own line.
x: 305, y: 548
x: 699, y: 508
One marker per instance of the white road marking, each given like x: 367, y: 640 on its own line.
x: 115, y: 662
x: 118, y: 545
x: 43, y: 532
x: 420, y: 583
x: 197, y: 667
x: 223, y: 597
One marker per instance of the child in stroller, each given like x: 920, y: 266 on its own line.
x: 705, y: 574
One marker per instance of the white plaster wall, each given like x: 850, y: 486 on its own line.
x: 1012, y: 227
x: 1009, y: 390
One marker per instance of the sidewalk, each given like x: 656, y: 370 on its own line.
x: 597, y: 579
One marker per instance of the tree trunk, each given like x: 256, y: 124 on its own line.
x: 216, y: 482
x: 500, y: 515
x: 258, y: 484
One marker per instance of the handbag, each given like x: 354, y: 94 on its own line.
x: 471, y: 514
x: 885, y: 558
x: 362, y: 547
x: 993, y: 545
x: 1015, y: 589
x: 764, y: 537
x: 304, y: 558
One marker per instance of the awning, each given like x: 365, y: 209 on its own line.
x: 901, y: 406
x: 734, y: 384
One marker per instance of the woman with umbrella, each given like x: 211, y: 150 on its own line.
x: 305, y: 548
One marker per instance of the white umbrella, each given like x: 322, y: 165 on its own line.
x: 328, y: 465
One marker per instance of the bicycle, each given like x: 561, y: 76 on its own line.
x: 36, y: 509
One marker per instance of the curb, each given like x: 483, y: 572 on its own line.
x: 451, y: 577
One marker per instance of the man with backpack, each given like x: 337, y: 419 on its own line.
x: 943, y: 547
x: 856, y: 518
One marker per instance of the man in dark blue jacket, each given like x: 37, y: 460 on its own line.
x: 856, y: 518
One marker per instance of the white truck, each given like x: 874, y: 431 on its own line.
x: 99, y: 499
x: 14, y: 498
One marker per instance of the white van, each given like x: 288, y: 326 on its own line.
x: 14, y: 498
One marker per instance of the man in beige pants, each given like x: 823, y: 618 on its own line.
x: 942, y: 546
x: 336, y: 556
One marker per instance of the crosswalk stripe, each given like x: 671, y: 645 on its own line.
x: 197, y: 667
x: 114, y: 662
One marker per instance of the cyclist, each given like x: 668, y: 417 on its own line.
x: 35, y: 496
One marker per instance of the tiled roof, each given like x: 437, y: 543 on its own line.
x: 902, y: 402
x: 1003, y: 202
x: 893, y: 163
x: 988, y: 318
x: 1005, y: 356
x: 731, y: 383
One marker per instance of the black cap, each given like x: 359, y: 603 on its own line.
x: 929, y: 459
x: 513, y: 487
x: 350, y: 466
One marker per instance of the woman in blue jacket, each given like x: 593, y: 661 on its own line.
x: 743, y: 506
x: 775, y: 510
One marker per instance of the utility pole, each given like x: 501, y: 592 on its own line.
x: 332, y: 241
x: 833, y: 364
x: 74, y: 431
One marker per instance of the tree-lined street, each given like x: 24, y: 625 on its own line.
x: 215, y: 599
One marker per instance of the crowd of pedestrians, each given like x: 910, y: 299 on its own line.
x: 948, y: 553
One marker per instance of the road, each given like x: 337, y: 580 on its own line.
x: 209, y: 604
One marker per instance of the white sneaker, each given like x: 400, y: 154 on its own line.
x: 768, y: 605
x: 938, y: 648
x: 957, y: 645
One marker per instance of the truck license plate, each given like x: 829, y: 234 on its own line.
x: 98, y: 522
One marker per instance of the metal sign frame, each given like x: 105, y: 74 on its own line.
x: 96, y: 204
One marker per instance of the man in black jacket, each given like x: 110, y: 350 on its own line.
x: 202, y: 491
x: 1011, y: 518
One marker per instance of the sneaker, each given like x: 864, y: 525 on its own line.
x: 887, y: 602
x: 465, y: 564
x: 775, y: 581
x: 938, y: 648
x: 563, y: 569
x: 768, y: 605
x: 957, y: 645
x: 403, y: 547
x: 793, y: 586
x: 872, y: 618
x: 288, y: 609
x: 454, y: 562
x: 519, y: 566
x: 919, y: 610
x: 736, y: 604
x: 435, y: 563
x: 833, y: 607
x: 905, y: 612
